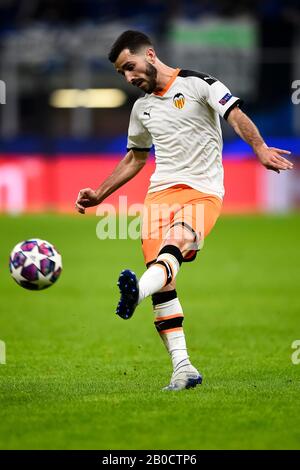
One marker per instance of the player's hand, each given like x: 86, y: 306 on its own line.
x: 272, y: 159
x: 86, y: 198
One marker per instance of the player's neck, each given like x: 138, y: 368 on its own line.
x: 164, y: 75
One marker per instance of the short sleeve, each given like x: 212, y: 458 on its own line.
x: 221, y: 99
x: 139, y: 137
x: 217, y: 95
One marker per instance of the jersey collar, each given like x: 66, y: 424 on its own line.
x: 168, y: 85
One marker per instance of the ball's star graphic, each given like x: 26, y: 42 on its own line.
x: 34, y: 257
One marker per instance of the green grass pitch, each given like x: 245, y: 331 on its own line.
x: 79, y: 377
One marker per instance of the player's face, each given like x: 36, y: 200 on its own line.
x: 137, y: 70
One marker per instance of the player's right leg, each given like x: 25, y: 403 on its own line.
x: 168, y: 261
x: 159, y: 275
x: 155, y: 223
x: 165, y: 255
x: 129, y: 294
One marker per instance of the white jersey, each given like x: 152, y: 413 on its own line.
x: 182, y: 121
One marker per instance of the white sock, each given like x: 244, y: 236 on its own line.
x: 158, y: 275
x: 176, y: 346
x: 167, y: 315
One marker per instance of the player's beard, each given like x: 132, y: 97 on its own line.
x: 151, y: 74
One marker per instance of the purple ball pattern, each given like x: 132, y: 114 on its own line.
x: 56, y: 275
x: 18, y: 259
x: 45, y: 249
x: 30, y: 272
x: 28, y: 285
x: 35, y: 264
x: 47, y: 266
x: 28, y: 245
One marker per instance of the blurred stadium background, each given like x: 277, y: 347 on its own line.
x: 65, y: 119
x: 76, y: 375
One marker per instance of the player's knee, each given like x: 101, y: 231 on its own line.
x: 183, y: 240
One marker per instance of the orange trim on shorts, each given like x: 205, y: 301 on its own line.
x: 168, y: 317
x: 164, y: 90
x: 171, y: 330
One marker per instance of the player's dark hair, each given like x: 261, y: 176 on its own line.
x: 132, y: 40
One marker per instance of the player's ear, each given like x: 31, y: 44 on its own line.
x: 150, y: 55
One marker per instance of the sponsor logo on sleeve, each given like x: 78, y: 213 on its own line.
x: 225, y: 99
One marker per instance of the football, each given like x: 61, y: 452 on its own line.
x: 35, y: 264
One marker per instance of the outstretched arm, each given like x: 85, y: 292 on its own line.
x: 128, y: 167
x: 270, y: 157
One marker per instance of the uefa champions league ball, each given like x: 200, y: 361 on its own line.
x: 35, y: 264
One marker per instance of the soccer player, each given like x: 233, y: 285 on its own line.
x: 179, y: 114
